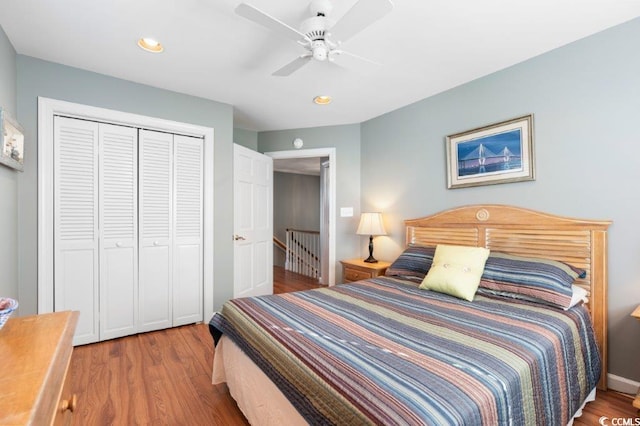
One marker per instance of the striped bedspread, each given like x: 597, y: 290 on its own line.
x: 382, y: 351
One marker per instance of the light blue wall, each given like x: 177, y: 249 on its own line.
x: 8, y: 179
x: 41, y: 78
x: 246, y: 138
x: 7, y: 74
x: 585, y: 98
x: 346, y: 140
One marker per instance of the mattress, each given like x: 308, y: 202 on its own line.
x: 383, y: 351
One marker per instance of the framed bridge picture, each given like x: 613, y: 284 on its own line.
x: 12, y: 142
x: 497, y: 153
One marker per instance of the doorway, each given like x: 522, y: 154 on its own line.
x: 327, y: 202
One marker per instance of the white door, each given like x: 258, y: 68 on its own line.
x: 118, y: 212
x: 187, y: 248
x: 156, y: 231
x: 253, y: 223
x: 76, y: 237
x: 171, y: 230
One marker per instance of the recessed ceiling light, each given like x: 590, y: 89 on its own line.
x: 322, y: 100
x: 150, y: 45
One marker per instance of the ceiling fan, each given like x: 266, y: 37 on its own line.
x: 319, y: 35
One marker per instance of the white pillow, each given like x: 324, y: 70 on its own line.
x: 579, y: 295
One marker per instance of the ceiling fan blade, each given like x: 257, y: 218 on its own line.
x: 293, y: 66
x: 259, y: 17
x: 335, y: 54
x: 360, y: 16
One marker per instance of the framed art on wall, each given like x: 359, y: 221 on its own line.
x: 12, y: 148
x: 497, y: 153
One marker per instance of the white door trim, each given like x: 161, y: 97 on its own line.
x: 47, y: 108
x: 320, y: 152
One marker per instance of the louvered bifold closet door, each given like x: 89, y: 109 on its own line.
x: 187, y: 273
x: 118, y: 197
x: 156, y: 218
x: 76, y: 223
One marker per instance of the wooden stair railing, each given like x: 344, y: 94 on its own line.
x: 302, y: 252
x: 282, y: 246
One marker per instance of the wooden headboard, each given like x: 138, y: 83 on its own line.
x: 579, y: 242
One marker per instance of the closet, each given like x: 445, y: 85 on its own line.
x: 127, y: 228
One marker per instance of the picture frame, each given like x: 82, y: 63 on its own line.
x: 494, y: 154
x: 12, y: 138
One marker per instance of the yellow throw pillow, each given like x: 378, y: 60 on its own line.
x: 456, y: 270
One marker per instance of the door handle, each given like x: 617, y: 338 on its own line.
x: 118, y: 244
x: 238, y: 238
x: 156, y: 243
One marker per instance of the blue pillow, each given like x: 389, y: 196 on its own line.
x: 413, y: 263
x: 529, y: 278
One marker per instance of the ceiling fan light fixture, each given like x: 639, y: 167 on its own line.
x: 320, y: 51
x: 322, y: 100
x: 150, y: 45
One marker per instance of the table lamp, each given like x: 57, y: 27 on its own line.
x: 371, y: 224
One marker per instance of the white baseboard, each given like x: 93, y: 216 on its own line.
x: 622, y: 384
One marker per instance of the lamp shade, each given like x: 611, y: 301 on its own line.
x: 371, y: 224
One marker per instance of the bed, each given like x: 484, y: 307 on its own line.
x: 384, y: 351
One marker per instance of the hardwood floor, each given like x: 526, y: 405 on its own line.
x: 286, y: 281
x: 164, y: 378
x: 156, y: 378
x: 609, y: 404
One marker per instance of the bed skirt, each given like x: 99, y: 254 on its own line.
x: 258, y: 398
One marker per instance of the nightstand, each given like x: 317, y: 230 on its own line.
x: 358, y: 269
x: 636, y: 402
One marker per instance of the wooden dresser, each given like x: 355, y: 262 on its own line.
x: 358, y: 269
x: 35, y: 353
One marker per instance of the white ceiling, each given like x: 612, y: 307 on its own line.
x: 424, y: 47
